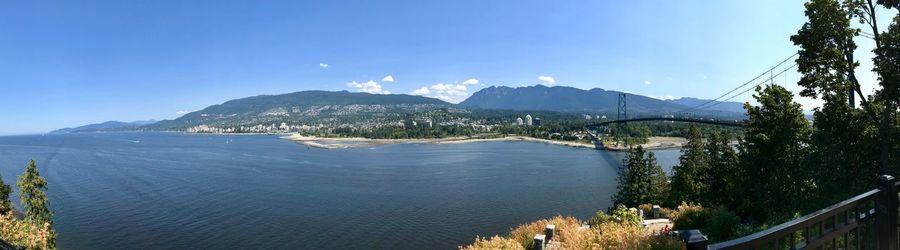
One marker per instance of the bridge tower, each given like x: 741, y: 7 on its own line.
x: 622, y: 114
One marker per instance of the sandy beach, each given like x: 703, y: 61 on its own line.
x: 655, y: 142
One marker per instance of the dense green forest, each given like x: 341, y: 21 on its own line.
x: 784, y: 165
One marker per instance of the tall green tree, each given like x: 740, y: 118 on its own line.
x: 773, y: 180
x: 722, y: 175
x: 32, y: 196
x: 689, y: 182
x: 826, y: 61
x: 842, y: 159
x: 641, y: 180
x: 5, y: 191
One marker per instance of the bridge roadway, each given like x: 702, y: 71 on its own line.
x: 729, y: 123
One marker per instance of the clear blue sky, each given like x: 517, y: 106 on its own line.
x: 69, y: 63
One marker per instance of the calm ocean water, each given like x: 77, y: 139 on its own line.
x: 168, y: 190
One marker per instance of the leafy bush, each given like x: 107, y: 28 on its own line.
x: 721, y: 224
x: 599, y: 218
x: 621, y: 214
x: 689, y: 216
x: 26, y: 234
x: 717, y: 223
x: 648, y: 211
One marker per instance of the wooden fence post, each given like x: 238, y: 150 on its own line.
x: 887, y: 209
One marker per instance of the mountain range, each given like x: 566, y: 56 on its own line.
x: 311, y: 107
x: 342, y: 108
x: 103, y: 126
x: 575, y: 100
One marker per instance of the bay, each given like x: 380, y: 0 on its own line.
x: 171, y: 190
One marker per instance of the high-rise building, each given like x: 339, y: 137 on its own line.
x: 528, y: 120
x: 519, y: 121
x: 537, y: 121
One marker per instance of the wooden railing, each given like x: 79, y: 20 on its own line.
x: 867, y: 221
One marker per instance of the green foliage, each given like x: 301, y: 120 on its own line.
x: 641, y: 180
x: 26, y: 234
x: 825, y: 42
x: 772, y: 178
x: 689, y: 182
x: 722, y: 174
x: 689, y: 216
x: 621, y: 215
x: 718, y: 224
x: 599, y: 218
x: 5, y: 191
x: 827, y: 62
x: 842, y: 159
x: 32, y: 196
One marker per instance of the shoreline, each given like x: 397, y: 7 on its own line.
x: 358, y: 142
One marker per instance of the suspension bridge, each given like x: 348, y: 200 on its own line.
x: 702, y: 113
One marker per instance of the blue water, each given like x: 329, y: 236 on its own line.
x: 168, y: 190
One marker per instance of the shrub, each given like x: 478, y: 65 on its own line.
x: 625, y: 236
x: 566, y: 230
x: 599, y: 218
x: 495, y: 242
x: 611, y: 234
x: 25, y: 234
x: 648, y: 211
x: 717, y: 223
x: 619, y: 215
x: 721, y: 224
x: 689, y: 216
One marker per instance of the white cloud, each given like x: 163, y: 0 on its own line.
x: 647, y: 82
x: 472, y: 81
x: 323, y: 65
x: 665, y: 97
x: 548, y: 80
x: 421, y: 91
x: 371, y: 87
x: 454, y: 93
x: 388, y: 78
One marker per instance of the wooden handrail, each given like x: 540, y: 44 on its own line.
x: 784, y: 230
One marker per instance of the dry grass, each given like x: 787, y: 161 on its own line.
x: 571, y: 236
x: 494, y: 243
x: 25, y: 234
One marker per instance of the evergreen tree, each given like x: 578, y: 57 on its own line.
x: 723, y: 164
x: 843, y: 156
x: 5, y: 191
x: 826, y: 60
x: 774, y: 181
x: 32, y: 196
x: 641, y: 180
x: 689, y: 182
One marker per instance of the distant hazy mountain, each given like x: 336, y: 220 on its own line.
x: 569, y: 99
x: 735, y: 107
x: 564, y: 99
x: 104, y: 126
x: 309, y: 107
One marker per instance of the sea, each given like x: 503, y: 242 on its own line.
x: 188, y: 191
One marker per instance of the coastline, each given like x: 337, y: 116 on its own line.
x: 358, y: 142
x: 655, y: 142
